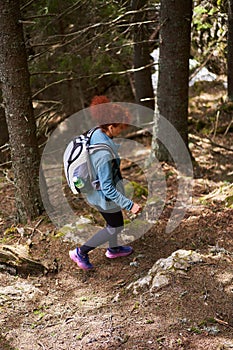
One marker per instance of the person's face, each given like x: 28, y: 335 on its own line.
x: 114, y: 131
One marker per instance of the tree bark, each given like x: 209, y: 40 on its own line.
x: 142, y: 77
x: 172, y: 99
x: 230, y: 51
x: 15, y: 79
x: 4, y: 137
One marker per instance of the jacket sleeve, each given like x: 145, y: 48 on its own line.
x: 103, y: 167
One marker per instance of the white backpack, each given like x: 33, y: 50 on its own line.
x: 78, y: 168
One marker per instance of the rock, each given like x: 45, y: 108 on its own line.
x: 159, y: 275
x: 159, y: 281
x: 20, y: 291
x: 202, y: 74
x: 140, y: 283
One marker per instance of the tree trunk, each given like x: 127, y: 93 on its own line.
x: 175, y: 30
x: 15, y: 80
x: 230, y: 51
x: 142, y: 60
x: 4, y: 137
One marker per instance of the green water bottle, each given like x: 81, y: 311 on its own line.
x: 78, y: 182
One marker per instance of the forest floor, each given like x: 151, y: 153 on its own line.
x: 74, y: 309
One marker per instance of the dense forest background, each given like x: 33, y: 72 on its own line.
x: 79, y: 49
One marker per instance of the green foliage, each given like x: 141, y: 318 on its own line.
x: 204, y: 16
x: 222, y: 5
x: 39, y: 313
x: 76, y: 42
x: 195, y: 330
x: 229, y: 201
x: 137, y: 189
x: 209, y: 34
x: 200, y: 16
x: 10, y: 230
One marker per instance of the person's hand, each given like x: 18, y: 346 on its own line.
x: 136, y: 208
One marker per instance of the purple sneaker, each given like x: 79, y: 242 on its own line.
x: 113, y: 253
x: 81, y: 260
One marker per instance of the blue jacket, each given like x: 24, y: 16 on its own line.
x: 110, y: 196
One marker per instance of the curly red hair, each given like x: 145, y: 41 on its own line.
x: 104, y: 112
x: 97, y: 100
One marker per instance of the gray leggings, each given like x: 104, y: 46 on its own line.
x: 114, y: 225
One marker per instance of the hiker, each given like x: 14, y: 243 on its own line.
x: 108, y: 198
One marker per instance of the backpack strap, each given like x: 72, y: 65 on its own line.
x: 92, y: 149
x: 89, y: 134
x: 88, y: 146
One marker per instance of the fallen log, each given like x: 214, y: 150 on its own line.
x: 16, y: 259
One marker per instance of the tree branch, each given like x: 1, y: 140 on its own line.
x: 26, y: 5
x: 50, y: 73
x: 25, y: 19
x: 218, y: 145
x: 132, y: 70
